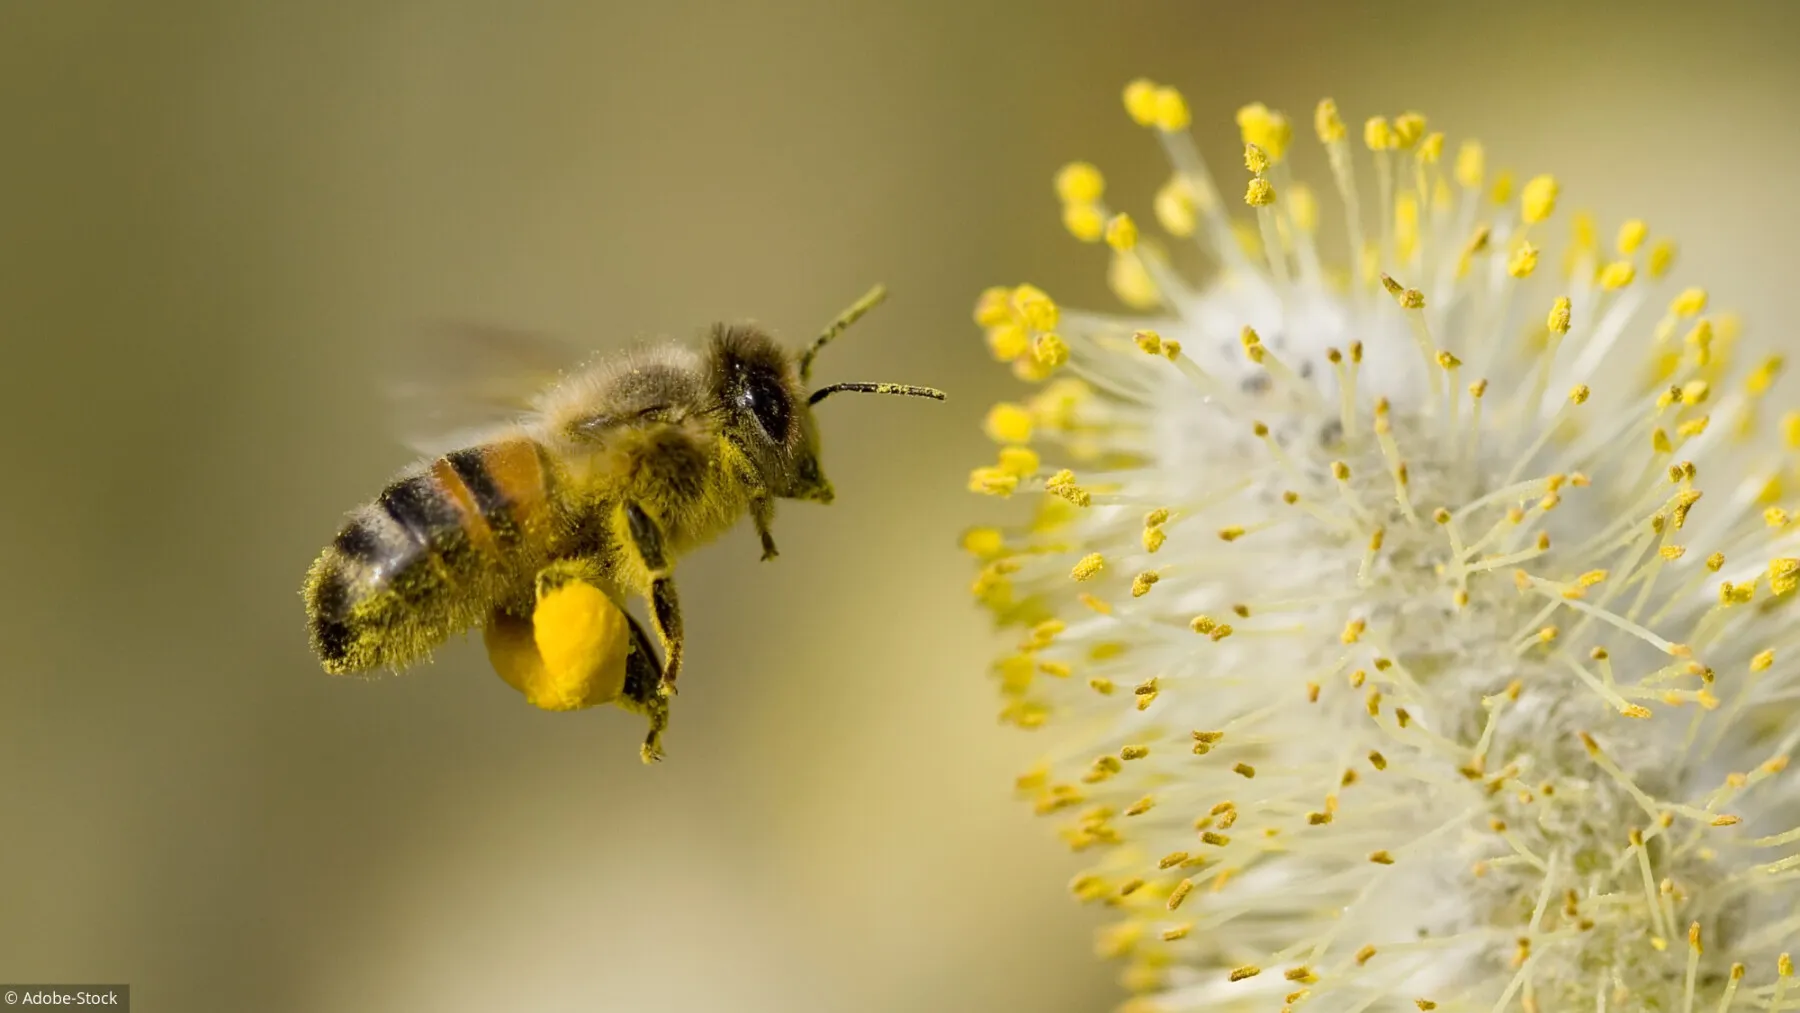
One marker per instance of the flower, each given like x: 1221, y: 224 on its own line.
x: 1421, y: 635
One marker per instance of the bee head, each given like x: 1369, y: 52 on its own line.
x: 756, y: 382
x: 762, y: 389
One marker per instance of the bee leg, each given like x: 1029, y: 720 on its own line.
x: 665, y: 607
x: 642, y: 677
x: 762, y: 510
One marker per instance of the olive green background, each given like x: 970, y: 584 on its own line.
x: 216, y: 216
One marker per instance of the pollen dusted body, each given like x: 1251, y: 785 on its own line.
x: 540, y: 532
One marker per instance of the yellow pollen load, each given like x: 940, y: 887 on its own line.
x: 571, y: 654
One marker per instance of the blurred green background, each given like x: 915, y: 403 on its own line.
x: 214, y: 217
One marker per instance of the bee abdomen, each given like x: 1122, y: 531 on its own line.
x: 427, y: 558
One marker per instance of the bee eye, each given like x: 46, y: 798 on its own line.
x: 767, y: 399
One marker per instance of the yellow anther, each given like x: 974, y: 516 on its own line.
x: 1141, y: 102
x: 1477, y: 389
x: 1008, y: 340
x: 1148, y: 342
x: 1695, y: 392
x: 1777, y: 518
x: 983, y: 543
x: 1154, y: 539
x: 1035, y: 308
x: 994, y: 306
x: 1523, y: 261
x: 1579, y: 393
x: 1171, y: 110
x: 1617, y: 275
x: 1084, y: 222
x: 1784, y: 575
x: 1471, y: 164
x: 1632, y: 235
x: 1008, y: 423
x: 1448, y: 362
x: 1763, y: 376
x: 1790, y: 430
x: 1143, y: 582
x: 1231, y: 533
x: 1377, y: 134
x: 1050, y: 349
x: 1431, y: 148
x: 1022, y: 462
x: 1246, y: 971
x: 1121, y: 232
x: 1662, y: 257
x: 1381, y: 858
x: 1260, y: 193
x: 1079, y: 183
x: 1256, y: 159
x: 1409, y: 129
x: 1303, y: 207
x: 992, y: 482
x: 1353, y: 631
x: 1503, y: 187
x: 1693, y: 427
x: 1538, y: 199
x: 1175, y: 208
x: 1265, y: 128
x: 1203, y: 624
x: 1558, y: 321
x: 1327, y: 123
x: 1584, y: 234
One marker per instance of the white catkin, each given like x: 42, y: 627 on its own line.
x: 1364, y: 691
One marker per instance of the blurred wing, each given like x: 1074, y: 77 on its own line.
x: 456, y: 381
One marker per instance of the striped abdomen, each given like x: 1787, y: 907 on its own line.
x: 432, y: 555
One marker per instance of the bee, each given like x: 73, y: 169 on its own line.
x: 611, y: 475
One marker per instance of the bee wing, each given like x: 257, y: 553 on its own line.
x: 454, y: 381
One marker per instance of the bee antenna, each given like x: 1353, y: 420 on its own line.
x: 875, y: 388
x: 836, y: 327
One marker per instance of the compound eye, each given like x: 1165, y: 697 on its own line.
x: 768, y: 400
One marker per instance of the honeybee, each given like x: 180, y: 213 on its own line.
x: 607, y: 478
